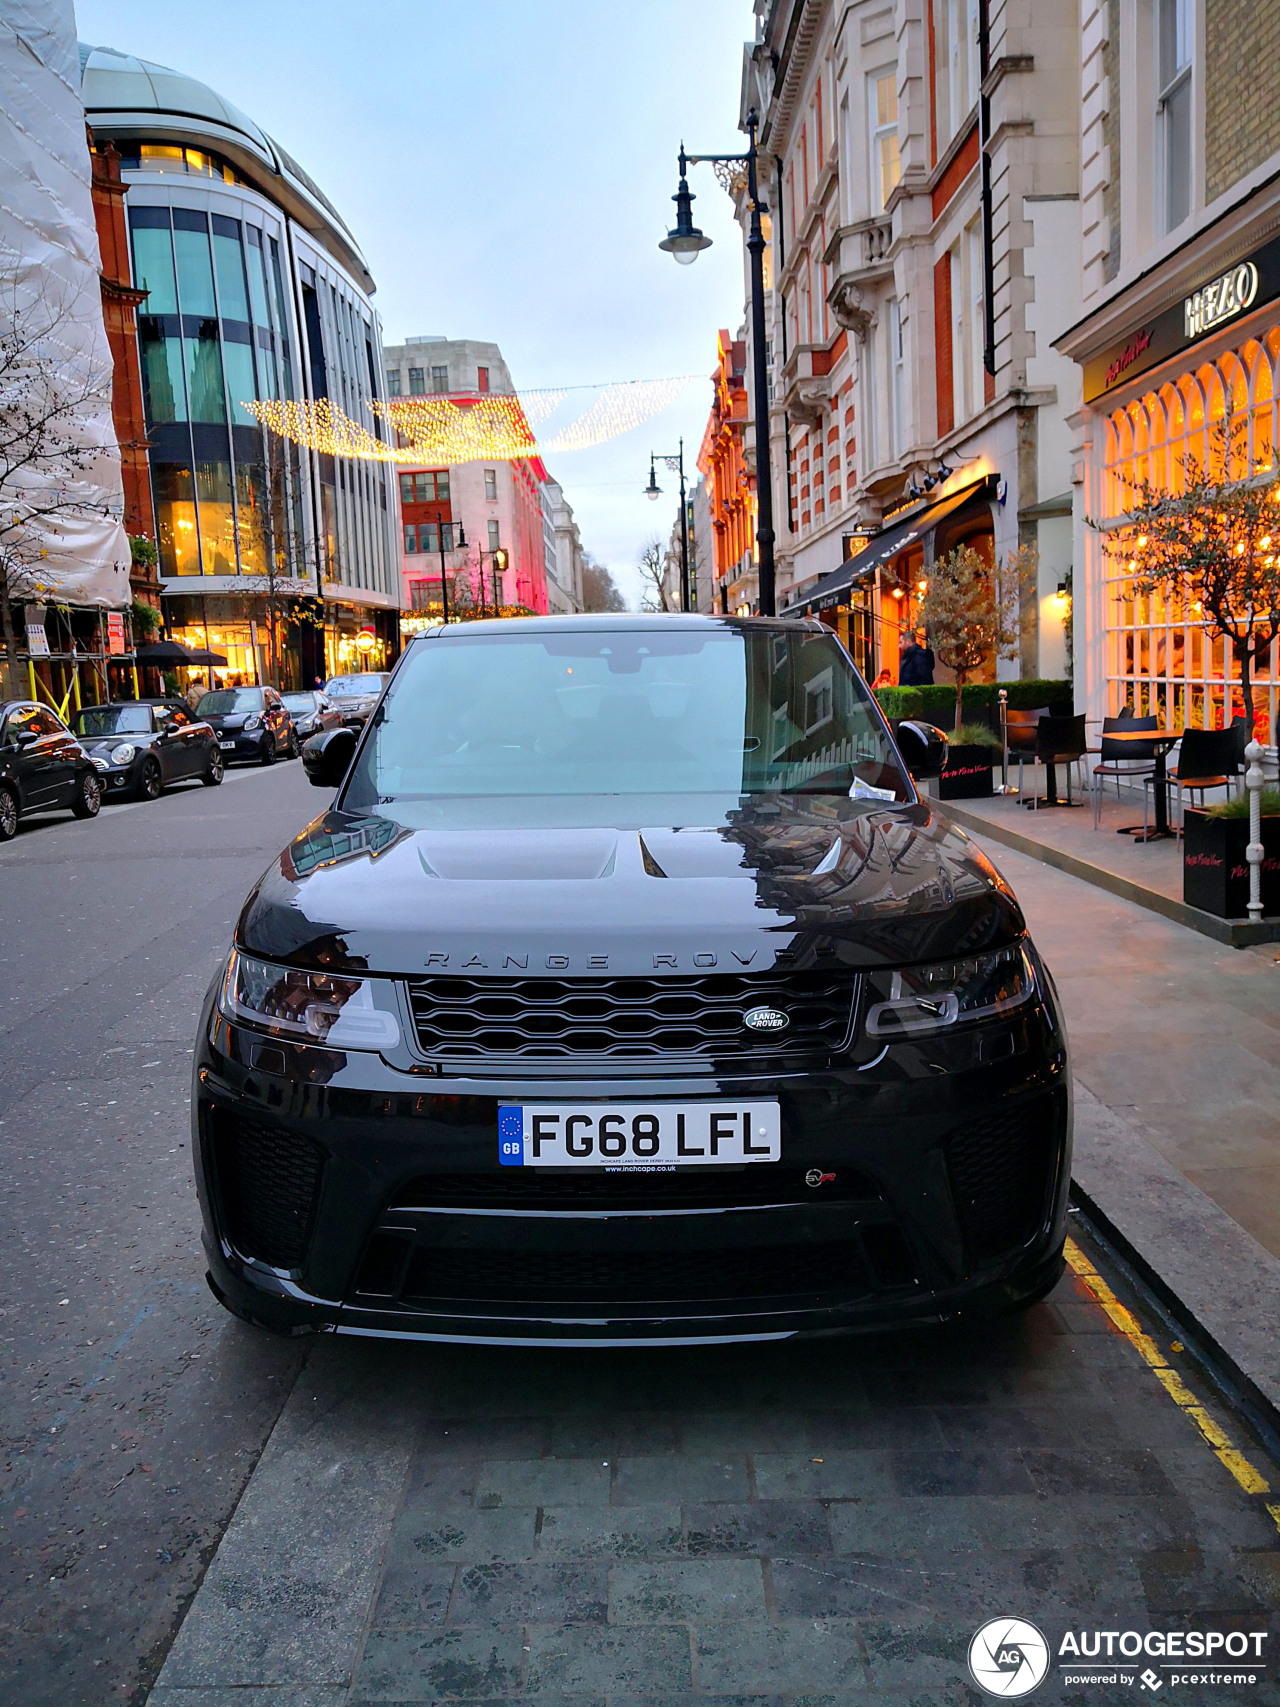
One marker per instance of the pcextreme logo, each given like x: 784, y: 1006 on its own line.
x: 1009, y: 1658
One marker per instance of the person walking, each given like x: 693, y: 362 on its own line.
x: 195, y: 692
x: 915, y: 667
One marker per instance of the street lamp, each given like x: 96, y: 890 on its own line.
x: 686, y: 243
x: 653, y: 490
x: 458, y: 544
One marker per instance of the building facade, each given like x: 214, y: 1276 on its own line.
x: 496, y: 503
x: 255, y: 291
x: 924, y: 230
x: 730, y: 483
x: 562, y: 545
x: 1179, y: 332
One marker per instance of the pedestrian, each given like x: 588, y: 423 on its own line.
x: 884, y: 680
x: 195, y: 692
x: 915, y: 667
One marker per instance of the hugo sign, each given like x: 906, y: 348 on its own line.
x: 1225, y: 297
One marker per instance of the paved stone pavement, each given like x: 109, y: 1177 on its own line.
x: 816, y: 1523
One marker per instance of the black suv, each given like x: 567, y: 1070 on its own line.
x: 140, y: 746
x: 42, y: 766
x: 250, y: 723
x: 630, y: 992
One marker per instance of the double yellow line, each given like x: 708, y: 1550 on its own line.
x: 1249, y: 1478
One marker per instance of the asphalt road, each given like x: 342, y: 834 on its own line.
x: 134, y: 1408
x: 826, y: 1521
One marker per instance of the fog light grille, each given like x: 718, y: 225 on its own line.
x: 269, y: 1180
x: 1000, y: 1173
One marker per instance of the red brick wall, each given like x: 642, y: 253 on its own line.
x: 942, y: 345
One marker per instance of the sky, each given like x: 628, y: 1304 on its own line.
x: 507, y: 167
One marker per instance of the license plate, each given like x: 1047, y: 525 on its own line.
x: 226, y: 745
x: 657, y: 1135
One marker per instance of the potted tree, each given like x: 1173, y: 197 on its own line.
x: 1215, y: 876
x: 970, y: 609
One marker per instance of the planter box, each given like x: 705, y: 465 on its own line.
x: 1215, y: 876
x: 968, y: 774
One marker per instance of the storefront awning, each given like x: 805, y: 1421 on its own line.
x: 834, y: 588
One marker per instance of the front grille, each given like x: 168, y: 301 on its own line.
x: 1000, y: 1173
x: 536, y: 1277
x: 684, y: 1188
x: 269, y: 1181
x: 560, y: 1019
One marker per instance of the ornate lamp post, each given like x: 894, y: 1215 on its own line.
x: 686, y: 243
x: 653, y: 490
x: 458, y: 544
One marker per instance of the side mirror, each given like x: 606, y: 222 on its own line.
x: 327, y: 758
x: 26, y: 737
x: 923, y: 748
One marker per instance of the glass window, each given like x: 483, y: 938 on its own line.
x: 257, y: 260
x: 222, y: 700
x: 417, y: 382
x: 113, y: 720
x: 163, y: 387
x: 882, y: 109
x: 955, y: 26
x: 429, y: 540
x: 442, y: 485
x: 424, y: 486
x: 491, y: 484
x: 406, y: 488
x: 410, y: 537
x: 482, y: 379
x: 439, y: 379
x: 177, y: 536
x: 253, y: 529
x: 237, y: 361
x: 897, y: 376
x: 204, y: 374
x: 216, y: 518
x: 623, y: 713
x: 153, y: 263
x: 195, y: 269
x: 228, y: 260
x: 493, y: 536
x: 1173, y: 108
x: 393, y: 382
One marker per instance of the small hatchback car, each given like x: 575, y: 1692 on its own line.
x: 629, y: 992
x: 139, y: 747
x: 42, y: 767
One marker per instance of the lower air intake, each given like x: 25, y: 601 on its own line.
x: 270, y: 1181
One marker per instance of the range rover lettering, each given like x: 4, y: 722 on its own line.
x: 629, y: 991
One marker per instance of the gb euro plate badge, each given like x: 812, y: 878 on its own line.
x: 652, y: 1136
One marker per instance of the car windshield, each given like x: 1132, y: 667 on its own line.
x: 609, y: 713
x: 354, y: 686
x: 229, y: 699
x: 113, y: 720
x: 303, y: 702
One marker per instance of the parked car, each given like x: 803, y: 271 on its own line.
x: 250, y: 723
x: 311, y: 712
x: 42, y: 767
x: 140, y: 746
x: 630, y: 992
x: 356, y: 696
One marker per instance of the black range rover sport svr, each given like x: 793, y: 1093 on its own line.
x: 629, y: 992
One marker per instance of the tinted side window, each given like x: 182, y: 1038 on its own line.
x: 176, y: 715
x: 46, y: 723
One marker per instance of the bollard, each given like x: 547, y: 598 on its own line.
x: 1253, y: 780
x: 1003, y: 697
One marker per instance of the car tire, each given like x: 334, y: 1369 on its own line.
x: 269, y: 748
x: 88, y: 796
x: 8, y: 814
x: 214, y: 771
x: 293, y: 749
x: 150, y: 781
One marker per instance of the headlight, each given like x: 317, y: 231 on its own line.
x: 123, y: 754
x: 948, y: 992
x: 313, y: 1007
x: 253, y: 722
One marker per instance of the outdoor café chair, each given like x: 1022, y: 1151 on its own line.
x: 1207, y: 758
x: 1132, y: 760
x: 1020, y: 737
x: 1059, y: 741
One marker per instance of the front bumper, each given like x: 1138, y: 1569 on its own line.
x: 244, y: 744
x: 341, y: 1194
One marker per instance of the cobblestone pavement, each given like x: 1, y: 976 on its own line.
x: 812, y: 1523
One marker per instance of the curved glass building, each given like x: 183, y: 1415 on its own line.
x: 256, y: 289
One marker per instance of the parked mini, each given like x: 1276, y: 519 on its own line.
x: 355, y: 696
x: 250, y: 723
x: 42, y: 767
x: 311, y: 712
x: 140, y: 746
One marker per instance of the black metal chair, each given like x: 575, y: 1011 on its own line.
x: 1207, y: 758
x: 1134, y: 760
x: 1059, y: 741
x: 1020, y: 737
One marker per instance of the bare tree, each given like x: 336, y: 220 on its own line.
x: 653, y: 572
x: 599, y: 590
x: 42, y: 449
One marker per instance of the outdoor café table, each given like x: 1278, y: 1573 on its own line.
x: 1161, y: 740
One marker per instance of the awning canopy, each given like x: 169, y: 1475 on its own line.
x: 834, y: 588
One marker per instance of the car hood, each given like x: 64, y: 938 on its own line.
x: 773, y: 882
x: 105, y: 743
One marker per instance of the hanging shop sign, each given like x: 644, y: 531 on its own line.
x: 366, y: 640
x: 115, y: 633
x: 1213, y: 303
x: 37, y: 639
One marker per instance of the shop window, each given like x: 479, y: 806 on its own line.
x: 417, y: 382
x: 177, y: 538
x: 216, y: 518
x: 252, y: 525
x: 1175, y: 21
x: 882, y: 115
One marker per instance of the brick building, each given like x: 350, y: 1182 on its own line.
x: 730, y: 484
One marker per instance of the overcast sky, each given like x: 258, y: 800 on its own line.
x: 507, y: 168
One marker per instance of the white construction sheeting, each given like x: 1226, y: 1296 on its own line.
x: 49, y: 278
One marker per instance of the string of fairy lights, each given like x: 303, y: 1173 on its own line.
x: 493, y: 427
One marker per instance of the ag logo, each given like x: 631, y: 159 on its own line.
x: 1008, y: 1657
x: 765, y: 1019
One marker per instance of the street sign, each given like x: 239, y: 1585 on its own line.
x: 115, y: 632
x: 37, y: 640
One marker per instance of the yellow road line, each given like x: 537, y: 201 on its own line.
x: 1127, y: 1323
